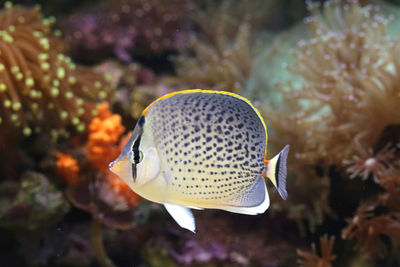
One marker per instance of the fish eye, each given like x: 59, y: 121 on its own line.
x: 135, y: 156
x: 138, y: 156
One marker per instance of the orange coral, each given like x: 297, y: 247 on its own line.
x: 104, y: 132
x: 118, y: 186
x: 67, y: 168
x: 102, y: 147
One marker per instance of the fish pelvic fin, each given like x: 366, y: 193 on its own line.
x: 182, y: 215
x: 275, y: 170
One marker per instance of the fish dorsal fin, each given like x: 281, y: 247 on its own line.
x: 253, y: 201
x: 183, y: 216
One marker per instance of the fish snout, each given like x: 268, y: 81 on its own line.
x: 121, y: 167
x: 114, y: 166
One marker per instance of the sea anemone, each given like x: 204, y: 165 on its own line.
x: 40, y: 87
x: 340, y: 98
x: 366, y: 163
x: 220, y: 56
x: 348, y: 90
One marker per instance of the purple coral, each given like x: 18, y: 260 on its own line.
x: 122, y: 27
x: 194, y: 251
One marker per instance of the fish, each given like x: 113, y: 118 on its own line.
x: 201, y: 149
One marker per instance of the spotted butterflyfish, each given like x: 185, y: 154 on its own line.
x: 201, y: 149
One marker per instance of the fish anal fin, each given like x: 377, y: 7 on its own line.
x: 182, y: 215
x: 253, y: 201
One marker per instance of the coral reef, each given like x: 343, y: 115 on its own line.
x: 123, y: 28
x: 91, y: 186
x: 378, y: 217
x: 33, y: 204
x: 312, y: 259
x: 335, y: 102
x: 222, y: 239
x: 40, y: 87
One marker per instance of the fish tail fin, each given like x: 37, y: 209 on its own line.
x: 275, y: 170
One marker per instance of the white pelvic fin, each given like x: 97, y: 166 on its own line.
x: 257, y: 194
x: 182, y: 215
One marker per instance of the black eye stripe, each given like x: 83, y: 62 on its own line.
x: 135, y: 150
x: 134, y: 172
x: 136, y: 158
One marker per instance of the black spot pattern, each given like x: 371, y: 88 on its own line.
x: 213, y: 144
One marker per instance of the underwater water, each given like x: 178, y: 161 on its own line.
x: 321, y: 76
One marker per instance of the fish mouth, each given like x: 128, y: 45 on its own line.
x: 120, y: 167
x: 115, y: 166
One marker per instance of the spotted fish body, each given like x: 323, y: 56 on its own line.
x: 201, y: 149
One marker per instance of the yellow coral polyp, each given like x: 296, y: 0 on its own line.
x: 19, y: 76
x: 44, y: 42
x: 69, y: 95
x: 16, y: 106
x: 8, y: 4
x: 45, y: 66
x: 7, y: 103
x: 75, y: 121
x: 7, y: 38
x: 29, y: 82
x: 21, y: 19
x: 43, y: 56
x: 14, y: 69
x: 81, y: 127
x: 14, y: 117
x: 35, y: 106
x: 63, y: 115
x: 54, y: 92
x: 36, y: 74
x: 102, y: 94
x: 71, y: 80
x: 27, y: 131
x: 56, y: 83
x: 60, y: 73
x: 79, y: 101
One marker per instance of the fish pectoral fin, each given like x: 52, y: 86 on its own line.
x: 182, y: 215
x: 252, y: 202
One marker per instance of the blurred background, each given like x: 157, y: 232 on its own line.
x: 76, y: 75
